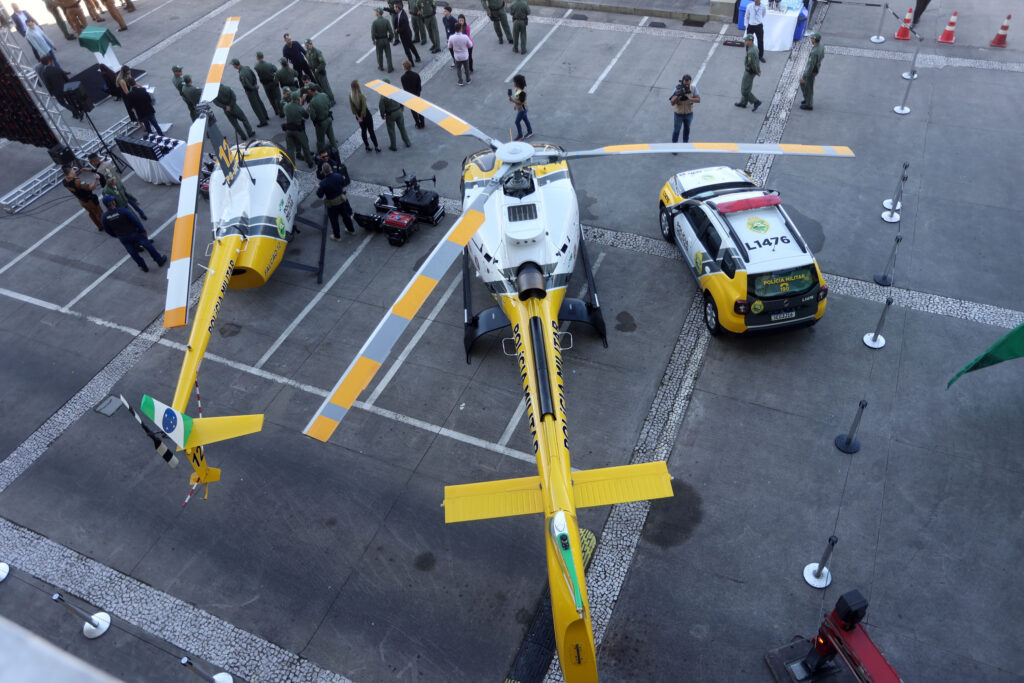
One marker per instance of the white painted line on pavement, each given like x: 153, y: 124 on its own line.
x: 342, y: 16
x: 41, y: 241
x: 67, y: 307
x: 143, y: 16
x: 536, y: 47
x: 313, y: 302
x: 714, y: 46
x: 257, y: 26
x: 615, y: 59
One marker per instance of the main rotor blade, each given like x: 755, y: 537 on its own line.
x: 443, y: 118
x: 179, y: 271
x: 709, y: 148
x: 377, y: 348
x: 220, y: 59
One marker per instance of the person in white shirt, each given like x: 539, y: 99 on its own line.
x: 755, y: 25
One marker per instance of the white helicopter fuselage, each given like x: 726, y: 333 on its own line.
x: 533, y: 218
x: 260, y: 206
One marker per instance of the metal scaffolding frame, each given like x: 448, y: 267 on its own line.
x: 82, y: 141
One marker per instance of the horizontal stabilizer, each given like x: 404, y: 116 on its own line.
x: 511, y: 497
x: 489, y: 499
x: 212, y: 429
x: 624, y: 484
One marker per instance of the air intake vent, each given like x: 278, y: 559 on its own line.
x: 522, y: 212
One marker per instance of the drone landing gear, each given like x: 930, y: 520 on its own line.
x: 319, y: 268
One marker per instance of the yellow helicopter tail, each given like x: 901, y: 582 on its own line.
x: 511, y: 497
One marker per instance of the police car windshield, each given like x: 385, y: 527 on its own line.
x: 783, y: 283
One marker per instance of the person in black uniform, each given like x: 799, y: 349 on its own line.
x: 141, y: 101
x: 332, y: 189
x: 404, y: 32
x: 296, y: 54
x: 122, y: 224
x: 411, y: 83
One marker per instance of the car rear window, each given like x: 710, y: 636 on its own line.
x: 785, y: 282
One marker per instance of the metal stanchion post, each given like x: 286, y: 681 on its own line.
x: 848, y: 442
x: 210, y: 678
x: 893, y: 206
x: 912, y: 74
x: 875, y: 340
x: 902, y: 108
x: 878, y: 37
x: 817, y: 574
x: 885, y: 279
x: 95, y: 624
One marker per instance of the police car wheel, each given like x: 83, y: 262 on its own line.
x: 711, y: 315
x: 665, y: 220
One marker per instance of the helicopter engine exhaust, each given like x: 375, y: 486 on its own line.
x: 530, y: 282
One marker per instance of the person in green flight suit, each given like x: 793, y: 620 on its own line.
x: 393, y: 114
x: 286, y: 76
x: 319, y: 109
x: 191, y: 94
x: 295, y: 128
x: 318, y: 63
x: 428, y: 8
x: 751, y: 68
x: 381, y: 34
x: 519, y: 11
x: 266, y: 71
x: 226, y: 100
x: 419, y: 33
x: 179, y: 84
x: 251, y: 86
x: 813, y: 65
x: 496, y: 11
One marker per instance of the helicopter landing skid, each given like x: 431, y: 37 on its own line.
x: 322, y: 228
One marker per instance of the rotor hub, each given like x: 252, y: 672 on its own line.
x: 514, y: 152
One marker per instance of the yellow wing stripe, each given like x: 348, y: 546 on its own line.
x: 639, y: 147
x: 843, y: 151
x: 805, y: 149
x: 414, y: 297
x: 717, y: 146
x: 181, y: 247
x: 417, y: 104
x: 226, y: 38
x: 355, y: 381
x: 193, y: 159
x: 175, y: 317
x: 383, y: 88
x: 467, y: 226
x: 322, y: 428
x: 454, y: 125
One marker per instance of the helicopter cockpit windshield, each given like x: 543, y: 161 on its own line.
x: 519, y: 184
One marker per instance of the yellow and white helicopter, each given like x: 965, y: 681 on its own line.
x: 521, y: 230
x: 254, y: 200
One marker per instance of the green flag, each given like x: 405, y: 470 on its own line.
x: 1009, y: 347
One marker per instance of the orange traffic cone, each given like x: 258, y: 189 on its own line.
x: 904, y: 31
x: 947, y: 35
x: 1000, y: 39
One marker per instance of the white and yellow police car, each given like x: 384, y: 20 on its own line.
x: 752, y: 265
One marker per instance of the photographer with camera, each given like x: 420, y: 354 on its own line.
x: 682, y: 101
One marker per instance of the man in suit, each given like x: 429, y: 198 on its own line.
x: 404, y: 31
x: 141, y: 101
x: 20, y: 18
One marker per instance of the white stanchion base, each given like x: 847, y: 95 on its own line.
x: 222, y: 678
x: 90, y: 631
x: 817, y: 582
x: 910, y: 75
x: 5, y: 569
x: 890, y: 217
x: 887, y: 204
x: 876, y: 343
x: 901, y: 110
x: 877, y: 39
